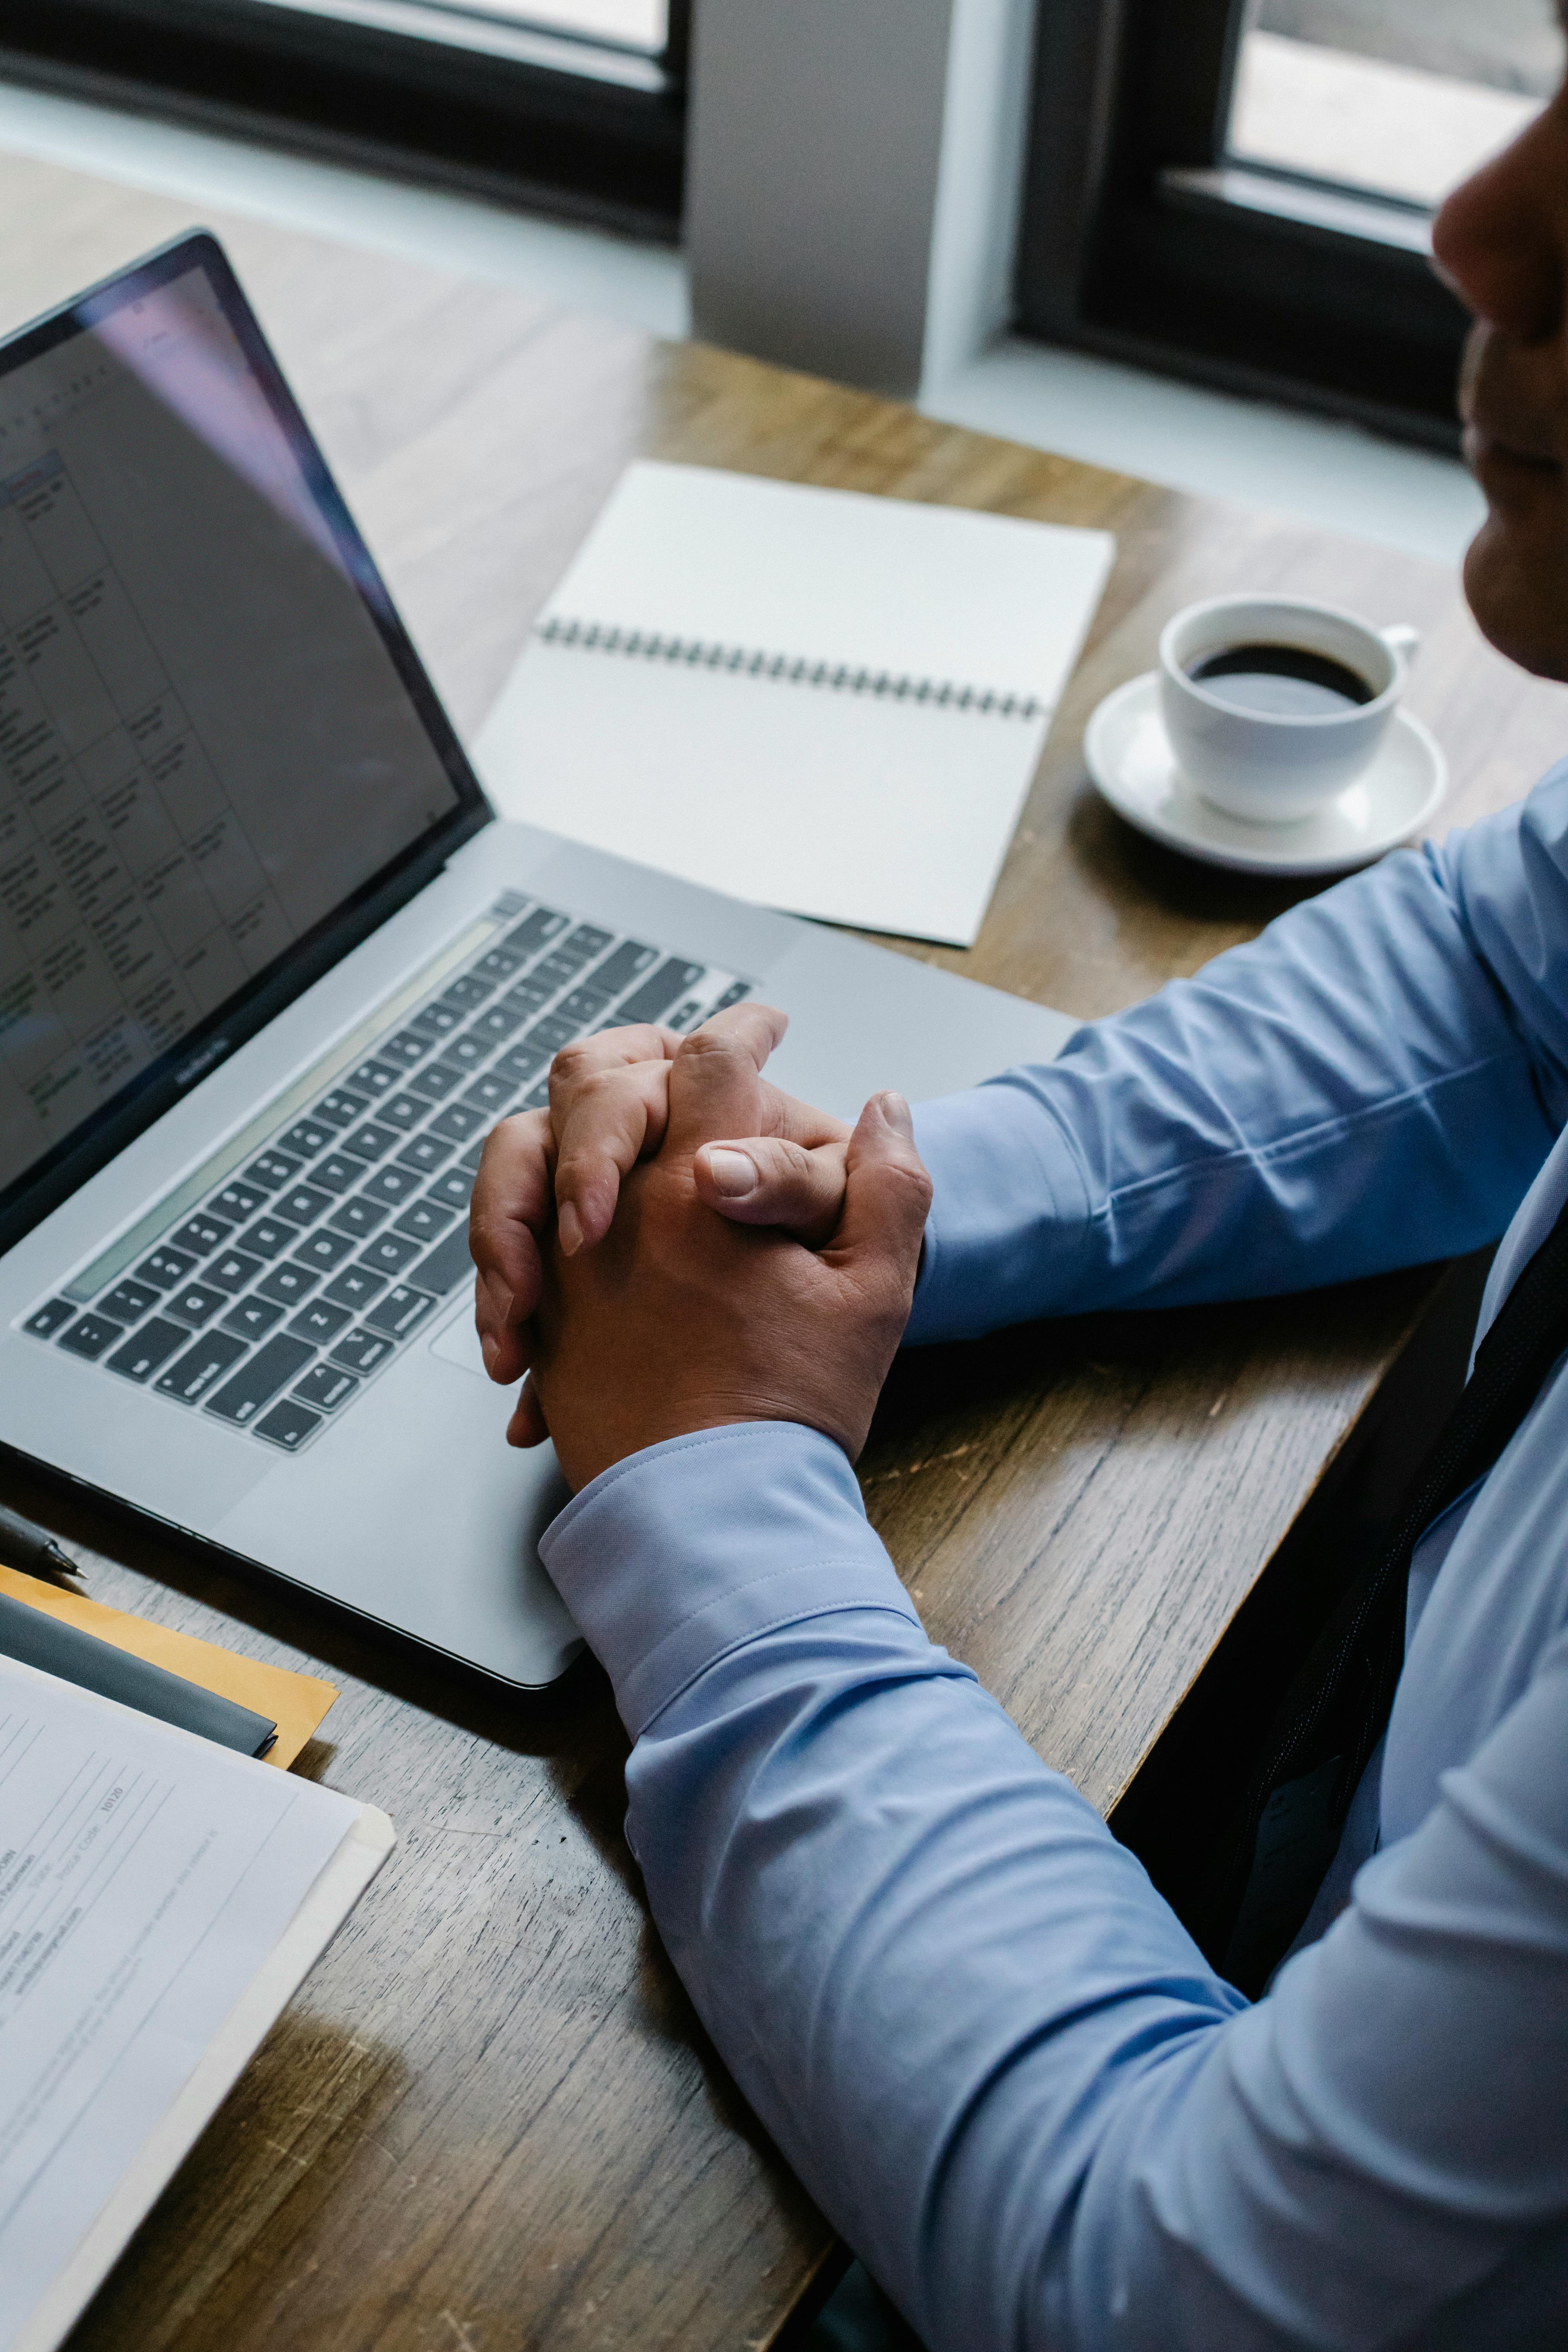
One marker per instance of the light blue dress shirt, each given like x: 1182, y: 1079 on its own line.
x: 985, y: 2042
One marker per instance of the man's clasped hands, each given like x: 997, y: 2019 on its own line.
x: 675, y: 1246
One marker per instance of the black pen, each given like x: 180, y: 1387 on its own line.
x: 35, y: 1553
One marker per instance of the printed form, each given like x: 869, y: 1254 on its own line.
x: 145, y: 1876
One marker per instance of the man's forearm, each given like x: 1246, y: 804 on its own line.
x: 986, y: 2045
x: 1368, y: 1084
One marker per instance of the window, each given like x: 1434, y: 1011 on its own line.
x: 573, y: 106
x: 1242, y: 189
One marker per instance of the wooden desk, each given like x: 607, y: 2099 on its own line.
x: 490, y: 2120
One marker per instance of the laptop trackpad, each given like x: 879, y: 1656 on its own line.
x: 459, y: 1344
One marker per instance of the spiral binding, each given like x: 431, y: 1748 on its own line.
x: 841, y: 678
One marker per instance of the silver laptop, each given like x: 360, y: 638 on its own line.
x: 270, y: 970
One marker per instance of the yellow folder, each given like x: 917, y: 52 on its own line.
x: 295, y: 1703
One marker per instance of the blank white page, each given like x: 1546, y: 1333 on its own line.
x: 885, y: 800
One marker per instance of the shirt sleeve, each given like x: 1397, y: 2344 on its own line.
x: 986, y: 2045
x: 1371, y: 1083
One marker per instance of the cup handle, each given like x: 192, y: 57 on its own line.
x: 1402, y: 639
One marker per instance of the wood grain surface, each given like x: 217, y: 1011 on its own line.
x: 490, y: 2121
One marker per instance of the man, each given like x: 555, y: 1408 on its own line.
x: 988, y: 2047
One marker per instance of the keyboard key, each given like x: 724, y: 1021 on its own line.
x: 448, y: 1264
x: 497, y: 963
x: 583, y: 1004
x: 500, y: 1023
x: 374, y: 1079
x: 308, y: 1136
x: 523, y: 1062
x: 391, y: 1184
x: 560, y: 970
x: 536, y: 928
x: 195, y: 1302
x: 400, y: 1312
x: 201, y: 1366
x: 406, y: 1048
x: 629, y: 963
x: 319, y: 1321
x: 273, y: 1169
x: 437, y: 1081
x: 389, y: 1253
x: 659, y: 990
x: 362, y: 1351
x: 685, y: 1013
x: 340, y: 1108
x: 324, y: 1249
x: 325, y: 1387
x: 151, y: 1345
x: 457, y: 1122
x: 733, y: 994
x: 126, y: 1301
x: 231, y: 1270
x: 370, y: 1141
x: 289, y: 1283
x: 46, y: 1320
x: 466, y: 1053
x: 537, y: 1100
x: 465, y: 993
x: 491, y: 1093
x: 550, y: 1034
x: 358, y: 1216
x: 165, y: 1265
x: 452, y: 1189
x: 402, y: 1110
x: 267, y: 1237
x: 253, y: 1318
x: 424, y: 1153
x: 585, y: 943
x: 93, y: 1333
x: 355, y: 1287
x: 423, y: 1221
x: 287, y: 1425
x: 470, y: 1162
x: 528, y: 994
x: 200, y: 1233
x: 271, y: 1369
x: 437, y: 1019
x: 237, y: 1201
x: 336, y: 1172
x: 304, y: 1204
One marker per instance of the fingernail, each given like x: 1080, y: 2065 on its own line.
x: 499, y: 1296
x: 734, y: 1173
x: 569, y: 1225
x: 490, y: 1348
x: 896, y: 1111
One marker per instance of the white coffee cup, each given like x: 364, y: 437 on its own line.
x: 1267, y: 768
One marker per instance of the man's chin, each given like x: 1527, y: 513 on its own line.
x: 1516, y: 580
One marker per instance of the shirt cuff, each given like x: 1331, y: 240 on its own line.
x: 1009, y: 1224
x: 680, y: 1553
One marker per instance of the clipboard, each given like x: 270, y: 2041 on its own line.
x: 297, y: 1703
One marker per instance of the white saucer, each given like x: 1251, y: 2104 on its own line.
x: 1131, y: 762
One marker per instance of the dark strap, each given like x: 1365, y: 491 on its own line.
x: 1336, y: 1711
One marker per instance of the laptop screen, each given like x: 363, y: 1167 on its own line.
x: 214, y: 739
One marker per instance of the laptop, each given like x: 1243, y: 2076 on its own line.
x: 270, y: 969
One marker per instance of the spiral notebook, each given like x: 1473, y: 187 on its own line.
x: 825, y: 702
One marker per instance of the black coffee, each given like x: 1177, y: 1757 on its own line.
x: 1280, y: 681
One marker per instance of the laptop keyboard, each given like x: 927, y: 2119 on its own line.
x: 269, y: 1291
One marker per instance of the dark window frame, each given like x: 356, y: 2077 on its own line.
x: 1140, y: 240
x: 573, y: 128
